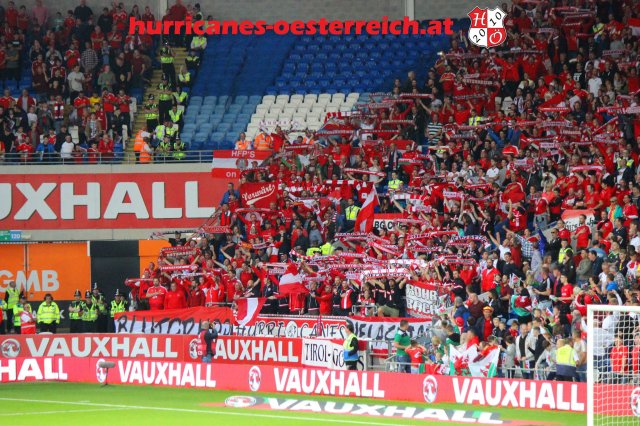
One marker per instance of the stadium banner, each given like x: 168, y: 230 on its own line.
x: 107, y: 200
x: 174, y: 321
x: 258, y: 194
x: 375, y: 328
x: 44, y: 268
x: 229, y: 164
x: 177, y: 347
x: 385, y: 220
x: 328, y: 353
x: 424, y: 299
x: 301, y: 327
x: 571, y: 218
x: 419, y: 388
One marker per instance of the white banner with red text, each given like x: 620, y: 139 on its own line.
x: 511, y: 393
x: 229, y: 164
x: 424, y: 300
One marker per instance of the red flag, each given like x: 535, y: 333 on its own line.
x: 248, y: 310
x: 634, y: 23
x: 291, y: 281
x: 364, y: 221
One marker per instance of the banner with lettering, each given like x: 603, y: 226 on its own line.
x: 250, y: 379
x: 425, y: 299
x: 329, y: 354
x: 258, y: 194
x: 174, y: 321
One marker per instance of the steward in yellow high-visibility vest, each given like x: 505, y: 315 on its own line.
x: 90, y: 314
x: 176, y: 115
x: 351, y: 212
x: 17, y: 310
x: 166, y: 61
x: 178, y: 149
x: 326, y: 249
x: 48, y: 315
x: 313, y: 250
x: 395, y: 184
x: 118, y: 305
x: 565, y: 360
x: 76, y: 309
x: 184, y: 78
x: 12, y: 298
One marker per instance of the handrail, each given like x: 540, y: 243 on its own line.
x: 38, y: 159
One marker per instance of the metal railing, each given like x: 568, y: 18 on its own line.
x: 38, y: 159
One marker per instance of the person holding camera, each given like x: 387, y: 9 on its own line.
x: 206, y: 339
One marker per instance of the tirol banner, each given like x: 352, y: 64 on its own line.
x: 258, y: 194
x: 424, y: 299
x: 329, y: 354
x: 107, y: 200
x: 511, y: 393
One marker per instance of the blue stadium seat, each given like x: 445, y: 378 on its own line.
x: 200, y: 138
x: 223, y: 127
x: 217, y: 137
x: 195, y: 100
x: 210, y: 100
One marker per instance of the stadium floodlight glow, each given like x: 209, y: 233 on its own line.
x: 613, y: 393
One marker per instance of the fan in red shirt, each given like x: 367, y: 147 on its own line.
x: 174, y: 298
x: 156, y: 295
x: 416, y: 352
x: 582, y: 233
x: 619, y: 356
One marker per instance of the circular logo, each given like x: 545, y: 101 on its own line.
x: 291, y: 330
x: 430, y: 389
x: 240, y: 401
x: 635, y: 402
x: 10, y: 348
x: 193, y: 348
x: 101, y: 373
x: 255, y: 378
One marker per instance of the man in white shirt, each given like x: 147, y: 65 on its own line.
x: 67, y: 148
x: 594, y: 83
x: 75, y: 79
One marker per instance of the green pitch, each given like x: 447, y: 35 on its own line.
x: 71, y: 404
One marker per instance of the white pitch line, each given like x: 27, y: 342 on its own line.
x: 187, y: 410
x: 59, y: 412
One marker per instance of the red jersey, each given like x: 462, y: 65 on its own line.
x: 416, y: 354
x: 175, y: 300
x: 156, y: 297
x: 618, y: 354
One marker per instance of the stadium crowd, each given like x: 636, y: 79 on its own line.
x: 84, y: 67
x: 479, y: 163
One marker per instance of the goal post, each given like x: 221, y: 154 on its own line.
x: 613, y: 378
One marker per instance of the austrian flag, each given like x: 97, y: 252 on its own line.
x: 292, y: 281
x: 364, y: 221
x: 248, y: 310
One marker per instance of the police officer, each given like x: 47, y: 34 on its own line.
x: 179, y: 149
x: 76, y: 309
x: 163, y: 150
x: 175, y: 115
x: 90, y: 314
x: 102, y: 309
x: 206, y: 339
x: 48, y: 315
x: 184, y: 77
x: 166, y: 60
x: 117, y: 305
x: 181, y: 96
x: 165, y: 99
x: 350, y: 345
x: 151, y: 112
x: 193, y: 61
x: 12, y: 297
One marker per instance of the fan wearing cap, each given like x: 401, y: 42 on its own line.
x: 484, y: 325
x: 119, y: 304
x: 76, y: 309
x: 89, y: 314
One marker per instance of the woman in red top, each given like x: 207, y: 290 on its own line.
x: 635, y: 354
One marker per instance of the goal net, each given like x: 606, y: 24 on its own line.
x: 613, y: 365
